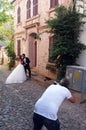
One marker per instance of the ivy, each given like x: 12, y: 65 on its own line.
x: 66, y: 27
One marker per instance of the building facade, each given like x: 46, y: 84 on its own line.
x: 29, y: 21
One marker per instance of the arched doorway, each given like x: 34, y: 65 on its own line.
x: 33, y: 49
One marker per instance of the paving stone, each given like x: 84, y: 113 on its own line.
x: 17, y: 105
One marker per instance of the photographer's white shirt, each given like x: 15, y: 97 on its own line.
x: 50, y: 101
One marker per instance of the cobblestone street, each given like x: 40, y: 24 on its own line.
x: 17, y: 104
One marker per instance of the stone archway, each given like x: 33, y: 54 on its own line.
x: 33, y: 49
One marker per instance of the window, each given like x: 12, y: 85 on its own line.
x: 53, y: 3
x: 18, y: 47
x: 51, y: 38
x: 35, y: 7
x: 18, y: 15
x: 28, y: 9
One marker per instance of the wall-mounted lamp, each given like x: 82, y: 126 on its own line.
x: 23, y: 39
x: 38, y: 37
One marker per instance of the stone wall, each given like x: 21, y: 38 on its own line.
x: 35, y: 25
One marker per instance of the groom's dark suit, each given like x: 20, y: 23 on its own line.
x: 26, y: 63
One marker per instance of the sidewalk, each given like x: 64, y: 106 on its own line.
x: 17, y: 105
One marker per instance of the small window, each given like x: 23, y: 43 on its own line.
x: 35, y: 7
x: 53, y: 3
x: 18, y: 15
x: 28, y: 9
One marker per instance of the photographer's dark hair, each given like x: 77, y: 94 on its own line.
x: 64, y: 82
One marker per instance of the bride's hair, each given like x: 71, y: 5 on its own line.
x: 18, y: 58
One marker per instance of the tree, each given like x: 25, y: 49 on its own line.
x: 66, y: 29
x: 6, y: 30
x: 9, y: 33
x: 5, y: 17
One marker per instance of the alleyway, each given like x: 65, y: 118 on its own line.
x: 17, y: 104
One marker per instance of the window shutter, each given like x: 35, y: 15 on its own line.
x: 35, y: 7
x: 53, y: 3
x: 50, y: 45
x: 18, y: 15
x: 28, y: 9
x: 56, y: 2
x: 18, y: 47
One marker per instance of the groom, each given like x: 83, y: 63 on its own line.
x: 26, y: 63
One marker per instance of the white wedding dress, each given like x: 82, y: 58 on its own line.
x: 17, y: 76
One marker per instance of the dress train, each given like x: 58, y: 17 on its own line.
x: 17, y: 76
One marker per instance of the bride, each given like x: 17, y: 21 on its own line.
x: 18, y: 74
